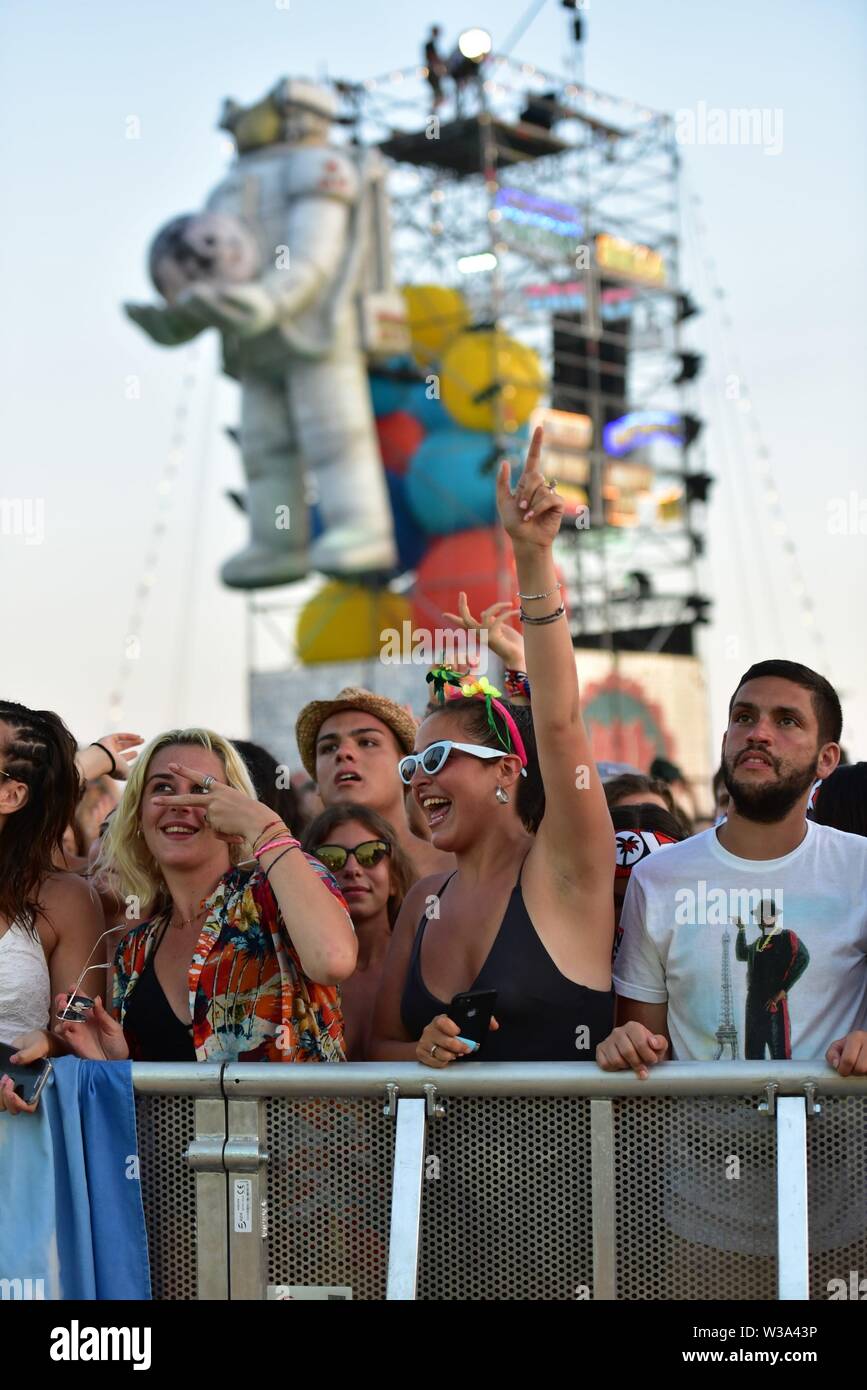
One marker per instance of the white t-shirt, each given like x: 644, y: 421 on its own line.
x: 693, y: 938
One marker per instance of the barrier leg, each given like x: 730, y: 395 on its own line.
x: 793, y: 1272
x: 205, y: 1157
x: 602, y: 1181
x: 246, y: 1158
x: 406, y: 1199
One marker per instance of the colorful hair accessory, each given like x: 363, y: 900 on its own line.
x: 441, y: 676
x: 483, y: 690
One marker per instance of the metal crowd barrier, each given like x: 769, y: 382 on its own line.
x: 500, y: 1181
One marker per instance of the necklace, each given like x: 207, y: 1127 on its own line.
x: 186, y: 921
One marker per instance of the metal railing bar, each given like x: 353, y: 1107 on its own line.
x: 532, y: 1078
x: 178, y: 1078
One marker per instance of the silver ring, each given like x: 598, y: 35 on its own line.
x: 552, y: 485
x: 433, y: 1051
x: 207, y: 782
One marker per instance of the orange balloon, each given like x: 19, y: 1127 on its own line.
x: 479, y: 561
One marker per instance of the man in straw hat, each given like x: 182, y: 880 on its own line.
x: 350, y: 746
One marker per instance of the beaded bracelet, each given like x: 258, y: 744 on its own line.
x: 549, y: 617
x: 288, y: 840
x: 516, y: 683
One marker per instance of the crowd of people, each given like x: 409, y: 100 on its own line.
x: 181, y: 901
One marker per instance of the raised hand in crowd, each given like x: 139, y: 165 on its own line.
x: 502, y: 639
x: 112, y: 755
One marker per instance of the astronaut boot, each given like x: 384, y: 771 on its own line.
x: 277, y: 552
x: 361, y: 547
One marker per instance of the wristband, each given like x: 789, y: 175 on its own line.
x: 287, y: 850
x: 276, y: 821
x: 516, y: 683
x: 96, y: 744
x: 548, y: 618
x: 288, y: 840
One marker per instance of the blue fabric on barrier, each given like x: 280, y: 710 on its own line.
x: 80, y: 1218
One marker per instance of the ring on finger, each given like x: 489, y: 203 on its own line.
x: 433, y: 1051
x: 207, y: 782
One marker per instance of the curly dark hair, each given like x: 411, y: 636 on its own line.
x: 36, y: 748
x: 473, y: 716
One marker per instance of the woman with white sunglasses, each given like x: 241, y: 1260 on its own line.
x: 516, y: 798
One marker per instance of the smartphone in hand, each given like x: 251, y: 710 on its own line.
x: 472, y: 1012
x: 28, y: 1080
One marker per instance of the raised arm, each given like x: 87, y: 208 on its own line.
x: 576, y: 830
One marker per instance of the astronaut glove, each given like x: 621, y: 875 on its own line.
x: 245, y: 310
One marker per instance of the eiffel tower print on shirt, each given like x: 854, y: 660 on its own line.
x: 726, y: 1034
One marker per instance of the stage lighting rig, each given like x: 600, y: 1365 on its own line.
x: 698, y: 486
x: 691, y: 363
x: 474, y: 46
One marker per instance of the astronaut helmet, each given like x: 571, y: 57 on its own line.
x: 308, y: 110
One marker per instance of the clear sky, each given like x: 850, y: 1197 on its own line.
x: 90, y: 405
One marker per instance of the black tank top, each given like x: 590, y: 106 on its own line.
x: 543, y: 1017
x: 153, y: 1031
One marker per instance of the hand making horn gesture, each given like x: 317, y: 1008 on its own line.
x: 229, y: 813
x: 532, y: 513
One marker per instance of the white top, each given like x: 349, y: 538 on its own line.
x: 693, y: 938
x: 25, y: 985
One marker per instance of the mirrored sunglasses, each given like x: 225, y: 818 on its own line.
x: 367, y: 854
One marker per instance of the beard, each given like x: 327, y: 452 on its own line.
x: 773, y: 802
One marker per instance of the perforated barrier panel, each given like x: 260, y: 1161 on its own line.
x: 328, y: 1192
x: 837, y: 1178
x: 695, y: 1199
x: 166, y: 1126
x: 685, y: 1188
x: 506, y: 1202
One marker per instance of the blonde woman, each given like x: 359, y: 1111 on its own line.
x: 246, y: 938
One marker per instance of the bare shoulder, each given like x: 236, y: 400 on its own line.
x: 66, y: 892
x: 424, y: 888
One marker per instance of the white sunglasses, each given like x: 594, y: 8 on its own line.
x: 432, y: 759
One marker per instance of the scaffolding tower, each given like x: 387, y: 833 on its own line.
x: 554, y: 208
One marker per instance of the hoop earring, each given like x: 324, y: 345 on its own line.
x: 502, y: 795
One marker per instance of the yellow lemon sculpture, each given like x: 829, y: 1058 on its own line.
x: 345, y: 622
x: 490, y: 381
x: 436, y: 315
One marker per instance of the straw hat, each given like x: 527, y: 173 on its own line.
x: 314, y: 715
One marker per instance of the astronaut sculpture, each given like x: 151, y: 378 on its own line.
x: 282, y: 262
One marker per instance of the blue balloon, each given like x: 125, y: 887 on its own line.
x: 390, y: 393
x: 450, y: 484
x: 410, y: 539
x: 432, y: 414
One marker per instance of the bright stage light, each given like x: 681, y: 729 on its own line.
x: 470, y: 265
x: 475, y: 44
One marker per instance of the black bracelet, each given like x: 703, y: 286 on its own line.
x: 96, y: 744
x: 266, y: 872
x: 549, y: 617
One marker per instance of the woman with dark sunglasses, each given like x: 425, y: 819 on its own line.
x: 516, y: 797
x: 361, y: 849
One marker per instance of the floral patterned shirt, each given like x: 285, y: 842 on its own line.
x: 249, y: 998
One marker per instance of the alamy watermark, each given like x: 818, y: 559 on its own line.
x: 453, y: 647
x: 23, y: 516
x: 718, y: 907
x: 759, y: 126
